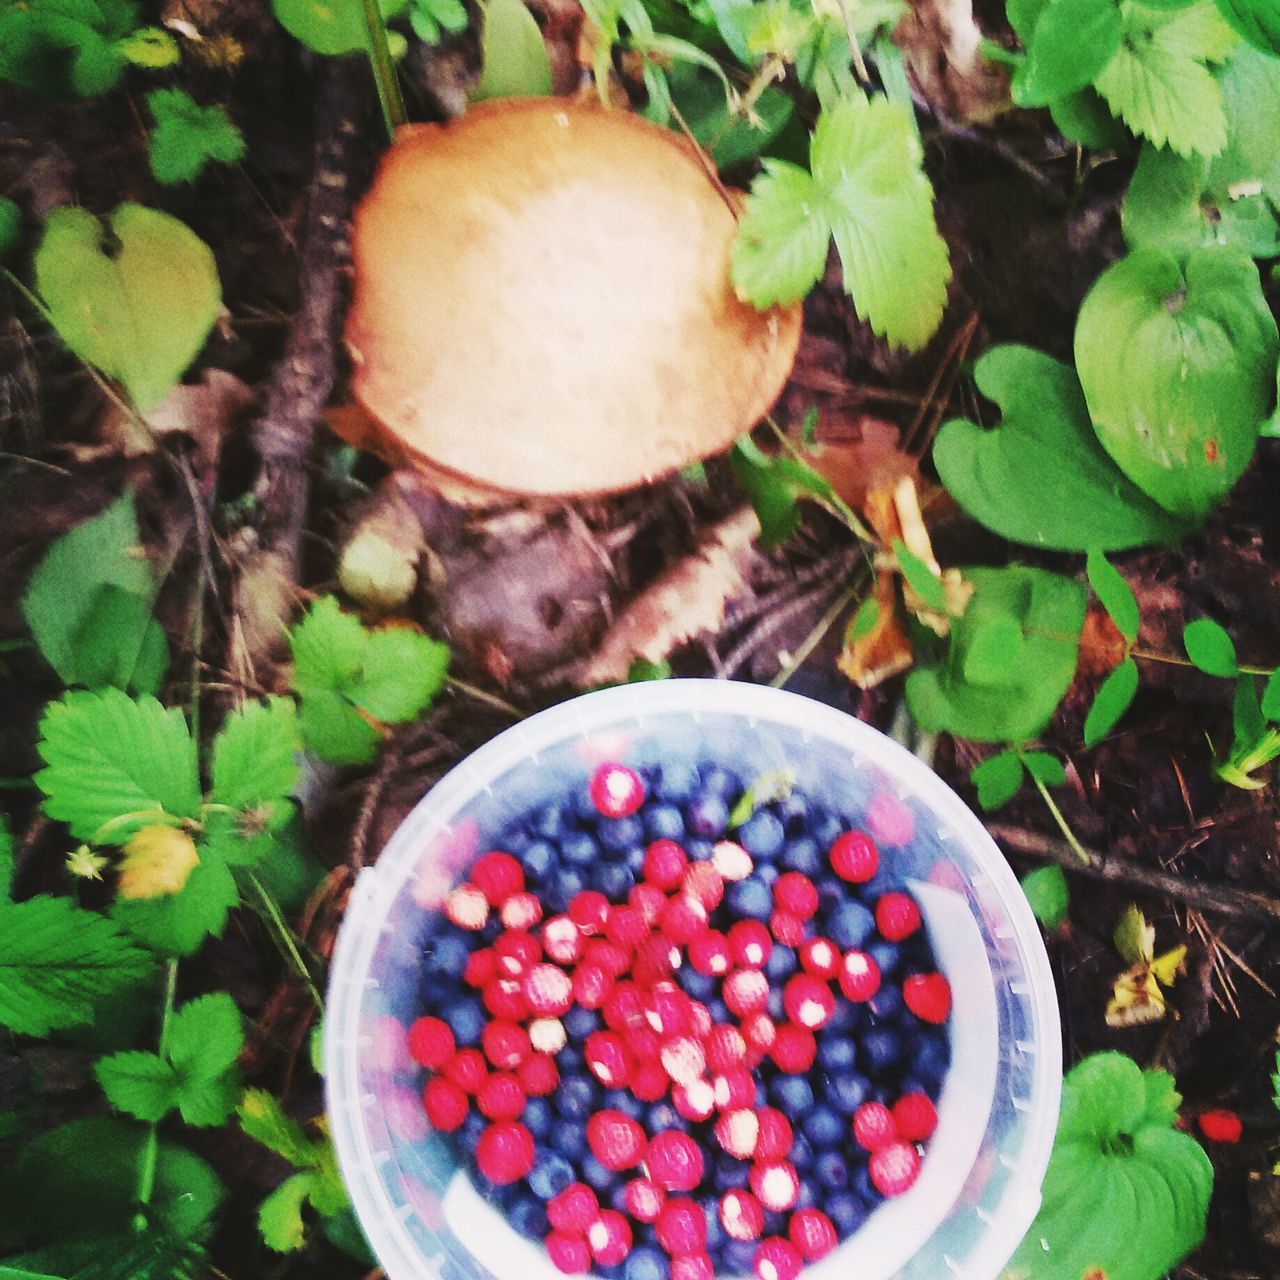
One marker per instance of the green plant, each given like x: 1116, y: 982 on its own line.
x: 1047, y: 894
x: 188, y: 136
x: 513, y: 58
x: 1125, y: 1194
x: 1256, y: 20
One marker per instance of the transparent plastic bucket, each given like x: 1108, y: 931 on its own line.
x: 979, y: 1187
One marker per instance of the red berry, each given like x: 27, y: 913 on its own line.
x: 1219, y: 1125
x: 820, y: 958
x: 700, y: 1020
x: 539, y: 1075
x: 568, y: 1253
x: 445, y: 1104
x: 501, y: 1097
x: 726, y: 1048
x: 610, y: 957
x: 812, y: 1233
x: 894, y: 1168
x: 482, y: 967
x: 589, y: 910
x: 616, y: 791
x: 682, y: 919
x: 808, y: 1001
x: 738, y: 1133
x: 615, y: 1139
x: 788, y: 929
x: 760, y: 1031
x: 574, y: 1209
x: 591, y: 986
x: 682, y: 1228
x: 667, y: 1010
x: 609, y: 1238
x: 505, y: 1152
x: 466, y: 907
x: 505, y: 1045
x: 607, y: 1059
x: 794, y: 1049
x: 649, y: 1080
x: 657, y: 958
x: 752, y: 944
x: 741, y: 1215
x: 431, y: 1042
x: 664, y: 864
x: 562, y: 940
x: 521, y: 911
x: 704, y: 884
x: 504, y: 998
x: 624, y: 1008
x: 745, y: 992
x: 915, y: 1117
x: 897, y: 916
x: 774, y: 1142
x: 695, y: 1101
x: 517, y: 951
x: 854, y: 857
x: 710, y: 954
x: 497, y: 876
x: 625, y: 927
x: 693, y: 1266
x: 674, y: 1160
x: 683, y: 1059
x: 731, y: 860
x: 549, y: 990
x: 776, y: 1184
x: 874, y: 1126
x: 642, y: 1042
x: 734, y: 1089
x: 928, y: 996
x: 643, y: 1199
x: 648, y: 901
x: 859, y: 976
x: 794, y: 892
x: 467, y: 1070
x: 777, y: 1259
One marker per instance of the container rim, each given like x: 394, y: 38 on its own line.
x: 377, y: 886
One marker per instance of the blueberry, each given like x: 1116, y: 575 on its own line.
x: 791, y: 1094
x: 880, y: 1050
x: 537, y: 1117
x: 550, y: 1174
x: 645, y: 1263
x: 846, y: 1211
x: 776, y: 1009
x: 775, y: 1224
x: 529, y: 1217
x: 802, y: 1154
x: 719, y: 781
x: 865, y: 1188
x: 634, y: 861
x: 472, y: 1127
x: 579, y: 1023
x: 466, y: 1019
x: 806, y: 1197
x: 700, y: 986
x: 614, y: 879
x: 566, y: 884
x: 583, y: 806
x: 664, y: 822
x: 719, y: 1011
x: 832, y: 891
x: 625, y: 1101
x: 579, y: 848
x: 675, y: 782
x: 730, y: 1172
x: 716, y: 1234
x: 617, y: 835
x: 738, y: 1256
x: 750, y: 899
x: 824, y: 827
x: 762, y: 835
x: 831, y: 1171
x: 660, y: 1116
x: 930, y: 1055
x: 569, y: 1138
x: 846, y: 1092
x: 489, y: 931
x: 550, y: 821
x: 706, y: 816
x: 845, y: 1021
x: 699, y: 850
x: 793, y: 810
x: 575, y: 1099
x: 887, y: 955
x: 823, y: 1127
x: 781, y: 964
x: 802, y: 855
x: 515, y: 840
x: 762, y: 1094
x: 767, y: 873
x: 596, y: 1176
x: 834, y: 1054
x: 912, y: 1084
x: 446, y: 957
x: 850, y: 925
x: 538, y: 859
x: 886, y: 1004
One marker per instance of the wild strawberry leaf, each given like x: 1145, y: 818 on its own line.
x: 142, y: 1085
x: 255, y: 755
x: 187, y: 136
x: 264, y: 1120
x: 1258, y: 21
x: 783, y: 237
x: 331, y: 28
x: 61, y: 47
x: 178, y: 923
x: 1072, y: 41
x: 401, y: 673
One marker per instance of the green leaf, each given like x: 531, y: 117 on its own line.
x: 58, y: 962
x: 65, y: 47
x: 1206, y: 344
x: 1114, y: 594
x: 328, y: 647
x: 135, y: 296
x: 280, y: 1214
x: 113, y: 763
x: 864, y: 620
x: 993, y: 652
x: 1044, y: 767
x: 88, y: 603
x: 188, y: 136
x: 642, y: 669
x: 1210, y: 648
x: 1159, y: 82
x: 331, y: 26
x: 1113, y: 699
x: 1162, y: 1099
x: 1103, y: 1096
x: 1247, y: 721
x: 1042, y: 478
x: 140, y: 1084
x: 1050, y: 610
x: 263, y: 1119
x: 205, y: 1038
x: 402, y: 671
x: 1073, y: 40
x: 998, y: 779
x: 729, y: 136
x: 1085, y: 119
x: 10, y: 226
x: 920, y: 578
x: 335, y: 730
x: 867, y: 161
x: 1046, y: 890
x: 1271, y: 697
x: 514, y: 62
x: 177, y: 924
x: 1258, y: 21
x: 780, y: 251
x: 150, y: 47
x: 775, y: 486
x: 254, y: 755
x: 1134, y: 938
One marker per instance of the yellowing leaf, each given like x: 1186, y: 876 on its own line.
x: 1168, y: 966
x: 157, y: 861
x: 1134, y: 938
x: 1136, y: 999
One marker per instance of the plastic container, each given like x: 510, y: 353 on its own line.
x: 980, y: 1184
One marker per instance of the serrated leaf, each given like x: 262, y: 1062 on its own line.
x: 135, y: 296
x: 205, y: 1036
x: 187, y: 136
x: 158, y: 860
x: 280, y: 1214
x: 264, y: 1120
x: 328, y: 647
x: 331, y: 28
x: 140, y: 1084
x: 1047, y: 894
x: 1134, y: 938
x: 780, y: 250
x: 1162, y: 1099
x: 254, y: 754
x: 401, y: 672
x: 150, y: 47
x: 1258, y: 21
x: 1159, y: 82
x: 1072, y: 41
x: 998, y: 779
x: 1115, y: 595
x: 59, y: 962
x: 513, y: 57
x: 119, y: 643
x: 1210, y: 648
x: 113, y: 762
x: 64, y: 47
x: 1045, y: 767
x: 1042, y: 478
x: 335, y: 730
x: 178, y: 924
x: 1113, y: 699
x: 1200, y: 331
x: 1103, y: 1096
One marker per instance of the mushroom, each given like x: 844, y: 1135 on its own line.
x: 543, y: 307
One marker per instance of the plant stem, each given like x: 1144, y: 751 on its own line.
x: 150, y: 1154
x: 811, y: 640
x: 384, y: 70
x: 1173, y: 661
x: 284, y: 938
x: 1056, y: 814
x: 489, y: 699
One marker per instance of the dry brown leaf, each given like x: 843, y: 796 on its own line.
x: 1102, y: 647
x: 862, y: 459
x: 942, y: 47
x: 685, y: 602
x: 885, y: 650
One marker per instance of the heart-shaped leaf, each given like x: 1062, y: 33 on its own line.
x: 134, y: 297
x: 1176, y: 358
x: 1042, y: 478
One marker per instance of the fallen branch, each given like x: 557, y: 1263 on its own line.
x: 1217, y: 899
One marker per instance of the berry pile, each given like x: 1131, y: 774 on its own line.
x: 669, y: 1052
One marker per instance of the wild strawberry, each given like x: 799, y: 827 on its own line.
x: 504, y: 1152
x: 741, y: 1215
x: 664, y: 864
x: 615, y: 1139
x: 616, y: 791
x: 812, y: 1233
x: 674, y: 1161
x: 777, y: 1259
x: 859, y: 976
x: 681, y: 1228
x: 1220, y: 1125
x: 431, y: 1042
x: 568, y: 1254
x: 445, y: 1104
x: 795, y: 893
x: 498, y: 876
x: 808, y: 1001
x: 609, y: 1238
x: 574, y: 1209
x: 873, y: 1126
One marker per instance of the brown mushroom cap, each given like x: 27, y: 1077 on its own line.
x: 543, y: 305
